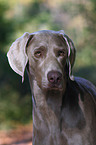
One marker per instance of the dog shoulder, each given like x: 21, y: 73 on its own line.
x: 86, y: 86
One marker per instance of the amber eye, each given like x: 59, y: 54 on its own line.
x: 61, y: 53
x: 38, y: 53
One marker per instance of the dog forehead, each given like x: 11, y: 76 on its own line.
x: 48, y: 37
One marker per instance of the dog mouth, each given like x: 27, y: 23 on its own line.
x: 53, y: 87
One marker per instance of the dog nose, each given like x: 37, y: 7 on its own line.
x: 54, y: 77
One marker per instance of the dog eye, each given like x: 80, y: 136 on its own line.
x: 38, y: 54
x: 61, y: 53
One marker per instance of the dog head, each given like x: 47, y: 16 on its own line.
x: 50, y: 55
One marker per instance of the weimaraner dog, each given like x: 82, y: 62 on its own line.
x: 64, y: 106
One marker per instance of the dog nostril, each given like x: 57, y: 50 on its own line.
x: 51, y: 80
x: 54, y: 77
x: 58, y: 79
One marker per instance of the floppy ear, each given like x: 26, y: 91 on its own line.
x: 71, y: 53
x: 17, y: 56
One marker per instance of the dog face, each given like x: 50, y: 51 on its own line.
x: 48, y: 53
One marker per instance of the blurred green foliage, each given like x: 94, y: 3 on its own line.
x: 78, y: 19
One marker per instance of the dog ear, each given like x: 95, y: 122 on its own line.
x: 71, y: 53
x: 17, y: 56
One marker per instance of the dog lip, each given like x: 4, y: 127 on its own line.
x: 54, y: 87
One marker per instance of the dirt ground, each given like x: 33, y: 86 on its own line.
x: 22, y: 135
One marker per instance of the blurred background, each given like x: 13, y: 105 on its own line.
x: 76, y: 18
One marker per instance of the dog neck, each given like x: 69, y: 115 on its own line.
x: 50, y: 98
x: 47, y: 104
x: 46, y: 114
